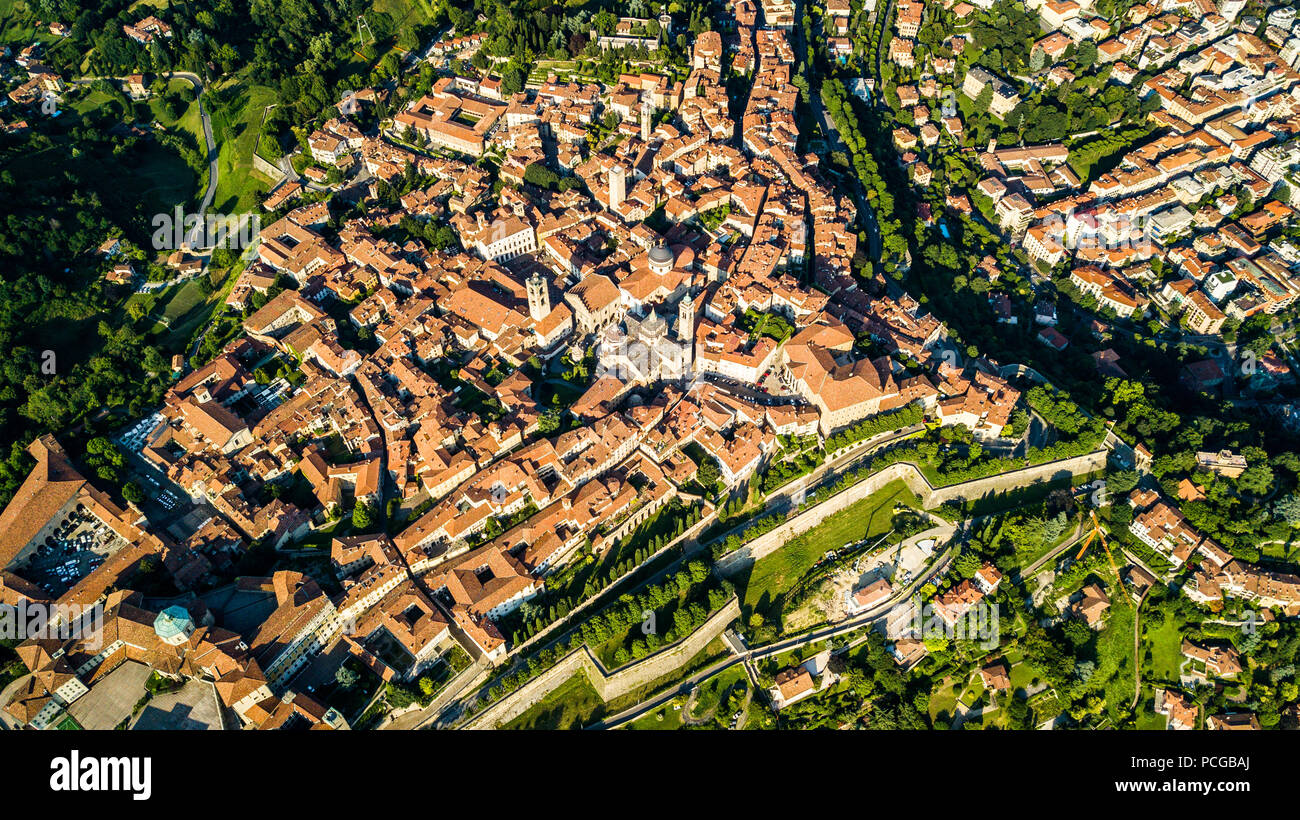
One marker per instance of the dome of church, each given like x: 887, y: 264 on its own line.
x: 661, y: 254
x: 173, y: 623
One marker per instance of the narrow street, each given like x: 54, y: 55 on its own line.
x: 833, y: 136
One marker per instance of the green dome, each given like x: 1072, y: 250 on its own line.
x: 173, y: 621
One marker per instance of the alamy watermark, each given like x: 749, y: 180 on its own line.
x: 88, y: 773
x: 173, y: 231
x: 65, y: 622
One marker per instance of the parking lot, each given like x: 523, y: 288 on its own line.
x: 76, y: 547
x: 768, y: 392
x: 135, y: 436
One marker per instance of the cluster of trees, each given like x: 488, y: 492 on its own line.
x: 1241, y: 514
x: 563, y: 592
x: 875, y: 694
x: 1006, y: 34
x: 875, y: 425
x: 693, y: 589
x: 1091, y: 156
x: 784, y: 471
x: 840, y: 107
x: 69, y: 353
x: 1060, y: 411
x: 104, y: 457
x: 543, y: 177
x: 1269, y: 649
x: 1078, y: 107
x: 770, y: 324
x: 364, y: 516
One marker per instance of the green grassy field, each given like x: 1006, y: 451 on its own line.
x: 1166, y: 650
x: 1289, y: 551
x: 164, y: 181
x: 663, y: 718
x: 575, y: 703
x: 68, y: 724
x: 569, y: 706
x: 405, y: 13
x: 1115, y: 670
x: 91, y: 100
x: 18, y: 23
x: 943, y: 701
x: 870, y: 517
x: 180, y: 300
x: 1022, y: 676
x: 710, y: 696
x: 188, y: 121
x: 235, y: 127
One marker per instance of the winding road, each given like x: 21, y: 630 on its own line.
x: 213, y: 171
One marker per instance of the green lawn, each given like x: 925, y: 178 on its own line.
x: 663, y: 718
x: 189, y: 310
x: 570, y: 706
x: 189, y: 120
x: 166, y: 180
x: 18, y: 24
x: 177, y: 301
x: 943, y: 701
x: 1289, y: 551
x: 1022, y: 677
x: 1114, y: 672
x: 870, y: 517
x: 1166, y: 650
x: 406, y: 13
x: 235, y: 127
x: 91, y: 100
x: 575, y: 703
x: 711, y: 693
x: 972, y: 692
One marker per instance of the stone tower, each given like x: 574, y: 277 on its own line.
x: 617, y: 186
x: 686, y: 320
x: 645, y: 118
x: 539, y: 297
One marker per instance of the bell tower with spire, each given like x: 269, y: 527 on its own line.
x: 645, y: 117
x: 686, y: 320
x: 539, y: 297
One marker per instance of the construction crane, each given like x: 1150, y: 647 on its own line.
x: 1096, y: 534
x: 363, y: 25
